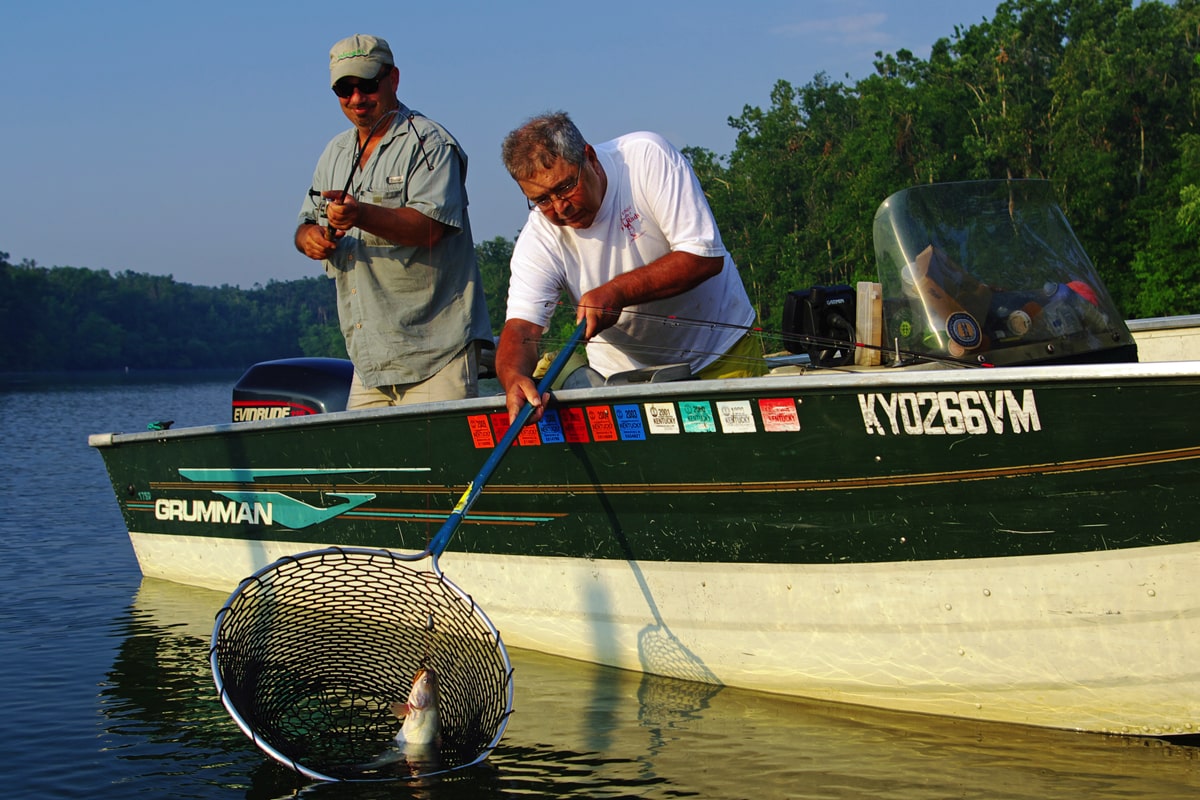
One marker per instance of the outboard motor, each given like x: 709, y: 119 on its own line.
x: 292, y: 387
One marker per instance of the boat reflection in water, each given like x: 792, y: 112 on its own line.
x: 584, y: 730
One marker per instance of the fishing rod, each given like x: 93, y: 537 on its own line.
x: 826, y: 342
x: 359, y: 151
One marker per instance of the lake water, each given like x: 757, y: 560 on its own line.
x: 107, y: 691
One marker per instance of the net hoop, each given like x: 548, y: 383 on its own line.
x: 308, y: 653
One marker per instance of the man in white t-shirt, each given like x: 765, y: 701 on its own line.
x: 620, y: 227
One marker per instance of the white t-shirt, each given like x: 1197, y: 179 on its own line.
x: 653, y: 205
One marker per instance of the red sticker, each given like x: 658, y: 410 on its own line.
x: 603, y: 427
x: 574, y: 424
x: 529, y: 436
x: 481, y: 434
x: 779, y: 414
x: 500, y: 425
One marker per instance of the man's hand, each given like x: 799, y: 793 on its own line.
x: 521, y: 391
x: 341, y: 211
x: 313, y: 241
x: 516, y: 357
x: 601, y: 307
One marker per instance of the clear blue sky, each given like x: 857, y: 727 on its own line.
x: 179, y: 138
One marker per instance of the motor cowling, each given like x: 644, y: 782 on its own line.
x: 292, y: 387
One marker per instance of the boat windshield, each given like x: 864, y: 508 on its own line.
x: 991, y: 271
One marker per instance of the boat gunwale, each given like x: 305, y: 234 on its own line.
x: 800, y: 383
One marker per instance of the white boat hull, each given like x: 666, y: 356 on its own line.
x: 1050, y: 640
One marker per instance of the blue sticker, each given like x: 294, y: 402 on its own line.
x: 550, y: 426
x: 697, y: 416
x: 629, y: 423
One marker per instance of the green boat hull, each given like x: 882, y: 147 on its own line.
x: 841, y: 469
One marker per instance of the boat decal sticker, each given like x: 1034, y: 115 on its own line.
x: 779, y: 414
x: 629, y: 423
x: 500, y: 424
x: 250, y: 411
x: 736, y: 416
x: 481, y: 432
x: 267, y: 507
x: 227, y: 475
x: 231, y: 512
x: 954, y: 413
x: 550, y: 426
x: 601, y: 420
x: 574, y: 424
x: 964, y: 330
x: 240, y: 507
x: 398, y: 515
x: 529, y: 436
x: 661, y: 418
x: 697, y: 416
x: 257, y: 508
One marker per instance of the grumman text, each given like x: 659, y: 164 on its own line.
x: 214, y: 511
x: 949, y: 413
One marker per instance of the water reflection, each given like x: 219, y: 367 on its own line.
x: 580, y: 730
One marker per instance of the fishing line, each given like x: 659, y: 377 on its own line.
x: 782, y: 337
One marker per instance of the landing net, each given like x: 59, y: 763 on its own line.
x: 309, y: 653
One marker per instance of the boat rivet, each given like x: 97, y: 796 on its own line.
x: 878, y: 459
x: 948, y: 606
x: 837, y: 590
x: 962, y: 652
x: 1152, y: 593
x: 987, y: 592
x: 903, y: 540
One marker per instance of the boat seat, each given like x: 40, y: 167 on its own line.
x: 662, y: 373
x: 584, y: 377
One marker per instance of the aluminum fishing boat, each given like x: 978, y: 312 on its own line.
x: 960, y: 492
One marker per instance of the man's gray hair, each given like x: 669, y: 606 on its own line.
x: 539, y: 142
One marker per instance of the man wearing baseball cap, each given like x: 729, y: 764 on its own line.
x: 387, y: 214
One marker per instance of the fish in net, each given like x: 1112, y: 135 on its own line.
x: 310, y: 654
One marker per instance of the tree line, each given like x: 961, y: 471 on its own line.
x: 73, y: 318
x: 1097, y: 96
x: 1100, y: 97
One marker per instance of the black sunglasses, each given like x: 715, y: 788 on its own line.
x: 365, y: 85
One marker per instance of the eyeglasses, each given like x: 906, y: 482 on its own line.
x: 561, y: 192
x: 345, y: 90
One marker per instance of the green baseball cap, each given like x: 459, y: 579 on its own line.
x: 358, y: 56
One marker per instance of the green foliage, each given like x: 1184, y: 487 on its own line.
x: 70, y: 318
x: 1097, y: 96
x: 493, y: 257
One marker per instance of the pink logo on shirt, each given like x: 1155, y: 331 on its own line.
x: 629, y: 218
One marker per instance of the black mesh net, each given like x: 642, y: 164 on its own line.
x: 310, y: 653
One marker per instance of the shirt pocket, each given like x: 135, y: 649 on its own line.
x: 393, y: 195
